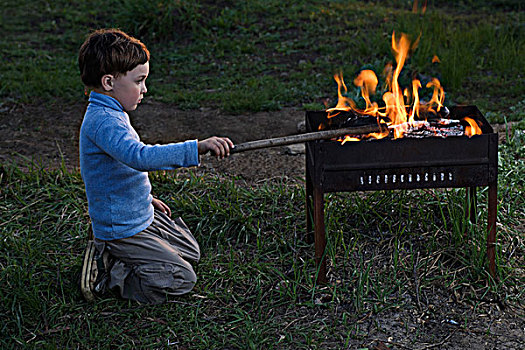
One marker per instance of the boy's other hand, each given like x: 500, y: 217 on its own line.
x: 218, y: 146
x: 161, y: 206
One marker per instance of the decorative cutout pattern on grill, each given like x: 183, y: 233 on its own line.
x: 367, y: 179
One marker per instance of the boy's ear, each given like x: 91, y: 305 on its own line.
x: 107, y: 82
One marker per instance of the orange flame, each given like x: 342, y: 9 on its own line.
x: 367, y: 81
x: 473, y: 128
x: 400, y: 48
x: 436, y: 59
x: 343, y: 103
x: 402, y: 108
x: 378, y: 135
x: 349, y: 138
x: 416, y: 85
x: 438, y: 96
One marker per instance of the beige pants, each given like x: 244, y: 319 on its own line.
x: 155, y: 263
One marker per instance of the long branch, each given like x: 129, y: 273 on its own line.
x: 300, y: 138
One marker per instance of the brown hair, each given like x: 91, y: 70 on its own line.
x: 109, y: 51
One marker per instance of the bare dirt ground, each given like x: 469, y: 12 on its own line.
x: 48, y: 133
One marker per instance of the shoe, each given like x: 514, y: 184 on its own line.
x: 95, y: 269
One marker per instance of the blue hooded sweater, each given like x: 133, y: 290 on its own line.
x: 114, y: 165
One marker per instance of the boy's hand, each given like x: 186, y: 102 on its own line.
x: 161, y: 206
x: 219, y: 146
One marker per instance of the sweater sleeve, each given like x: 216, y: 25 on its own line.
x: 118, y: 139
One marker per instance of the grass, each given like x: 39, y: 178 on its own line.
x: 399, y: 263
x: 389, y: 253
x: 254, y: 55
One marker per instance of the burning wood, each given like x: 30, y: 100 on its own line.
x: 437, y: 125
x: 404, y: 113
x: 350, y: 127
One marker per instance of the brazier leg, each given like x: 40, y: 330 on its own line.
x: 320, y: 236
x: 491, y: 228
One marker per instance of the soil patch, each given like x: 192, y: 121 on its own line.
x: 48, y: 134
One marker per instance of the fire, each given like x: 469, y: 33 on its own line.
x: 416, y: 85
x: 367, y: 81
x: 403, y: 108
x: 343, y: 103
x: 473, y: 128
x: 348, y: 138
x: 374, y: 135
x: 438, y: 96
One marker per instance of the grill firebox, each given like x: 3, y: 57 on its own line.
x: 406, y: 163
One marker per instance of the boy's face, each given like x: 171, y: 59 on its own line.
x: 128, y: 89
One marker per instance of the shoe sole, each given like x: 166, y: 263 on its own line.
x: 86, y: 272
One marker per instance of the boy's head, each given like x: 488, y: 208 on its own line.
x: 109, y: 52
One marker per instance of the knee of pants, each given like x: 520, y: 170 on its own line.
x: 197, y: 253
x: 176, y: 279
x: 192, y: 281
x: 190, y: 275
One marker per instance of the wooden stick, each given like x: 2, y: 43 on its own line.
x: 300, y: 138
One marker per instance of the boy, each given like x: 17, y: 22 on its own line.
x: 137, y: 249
